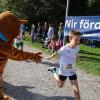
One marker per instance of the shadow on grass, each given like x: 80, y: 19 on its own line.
x: 90, y: 59
x: 89, y: 53
x: 85, y: 57
x: 22, y: 93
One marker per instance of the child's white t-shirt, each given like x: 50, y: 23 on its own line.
x: 67, y: 60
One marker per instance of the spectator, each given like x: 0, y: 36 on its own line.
x: 60, y: 35
x: 33, y: 33
x: 44, y: 31
x: 46, y: 43
x: 39, y: 33
x: 50, y: 33
x: 52, y: 45
x: 19, y: 41
x: 23, y: 29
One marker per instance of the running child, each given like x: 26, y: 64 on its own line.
x: 68, y: 55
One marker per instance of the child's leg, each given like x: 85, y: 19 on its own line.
x: 74, y: 83
x: 22, y: 48
x: 60, y: 79
x: 21, y: 45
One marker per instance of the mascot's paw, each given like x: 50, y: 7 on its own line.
x: 37, y: 57
x: 4, y: 97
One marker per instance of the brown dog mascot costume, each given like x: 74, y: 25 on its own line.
x: 9, y: 29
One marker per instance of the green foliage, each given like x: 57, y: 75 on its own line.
x: 36, y: 10
x: 3, y: 6
x: 78, y: 7
x: 95, y: 8
x: 50, y: 10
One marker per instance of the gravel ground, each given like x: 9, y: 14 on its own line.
x: 31, y: 81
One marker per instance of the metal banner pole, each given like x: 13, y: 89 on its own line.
x: 67, y: 9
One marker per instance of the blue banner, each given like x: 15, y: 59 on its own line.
x: 85, y: 24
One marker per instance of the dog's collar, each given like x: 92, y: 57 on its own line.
x: 3, y: 37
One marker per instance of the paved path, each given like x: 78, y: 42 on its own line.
x: 31, y: 81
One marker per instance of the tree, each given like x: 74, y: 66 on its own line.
x: 78, y: 7
x: 37, y: 9
x: 95, y: 7
x: 49, y: 10
x: 3, y: 4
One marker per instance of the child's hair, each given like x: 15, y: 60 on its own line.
x: 74, y: 32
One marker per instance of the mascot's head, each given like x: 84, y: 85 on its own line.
x: 9, y: 26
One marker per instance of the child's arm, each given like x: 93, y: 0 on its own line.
x: 53, y: 55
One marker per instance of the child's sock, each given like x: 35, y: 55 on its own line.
x: 52, y: 69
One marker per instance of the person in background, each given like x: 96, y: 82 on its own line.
x: 50, y: 33
x: 23, y: 29
x: 33, y: 36
x: 52, y: 45
x: 19, y: 40
x: 39, y: 33
x: 60, y: 35
x: 44, y: 31
x: 46, y: 43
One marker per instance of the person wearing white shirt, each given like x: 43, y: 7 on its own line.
x: 19, y: 41
x: 50, y: 33
x: 68, y: 55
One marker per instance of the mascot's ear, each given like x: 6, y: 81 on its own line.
x: 8, y: 11
x: 23, y: 21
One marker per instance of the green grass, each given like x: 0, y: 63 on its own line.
x: 90, y: 60
x: 35, y: 45
x: 89, y: 57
